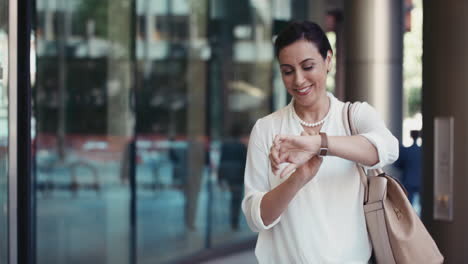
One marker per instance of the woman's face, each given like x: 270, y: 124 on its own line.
x: 304, y: 72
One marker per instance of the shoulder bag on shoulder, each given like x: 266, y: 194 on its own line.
x: 395, y: 230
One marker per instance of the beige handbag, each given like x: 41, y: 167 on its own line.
x: 395, y: 230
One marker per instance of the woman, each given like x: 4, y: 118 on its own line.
x: 307, y: 207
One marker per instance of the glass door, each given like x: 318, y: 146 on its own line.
x: 172, y: 144
x: 4, y: 126
x: 84, y: 123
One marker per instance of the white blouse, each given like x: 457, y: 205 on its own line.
x: 324, y: 222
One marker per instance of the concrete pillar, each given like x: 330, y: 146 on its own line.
x: 374, y: 56
x: 317, y: 11
x: 48, y: 25
x: 120, y: 122
x: 445, y: 93
x: 340, y: 56
x: 196, y: 117
x: 120, y: 119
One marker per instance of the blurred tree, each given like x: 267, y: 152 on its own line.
x: 414, y: 101
x: 412, y: 63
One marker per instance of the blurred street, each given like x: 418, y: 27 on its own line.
x: 97, y: 220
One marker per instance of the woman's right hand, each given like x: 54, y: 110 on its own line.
x: 293, y: 150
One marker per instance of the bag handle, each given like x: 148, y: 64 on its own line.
x: 348, y: 111
x: 351, y: 130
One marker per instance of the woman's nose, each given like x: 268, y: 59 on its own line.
x: 299, y: 78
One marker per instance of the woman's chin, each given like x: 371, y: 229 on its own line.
x: 305, y: 100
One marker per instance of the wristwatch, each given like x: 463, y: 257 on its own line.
x: 323, y: 145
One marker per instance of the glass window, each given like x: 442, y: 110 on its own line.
x: 4, y: 126
x: 241, y: 85
x: 182, y: 81
x: 172, y: 143
x: 84, y: 127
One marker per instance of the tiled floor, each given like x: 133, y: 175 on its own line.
x: 247, y: 257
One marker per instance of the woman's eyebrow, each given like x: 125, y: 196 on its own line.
x: 304, y: 60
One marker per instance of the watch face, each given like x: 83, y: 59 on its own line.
x: 323, y: 152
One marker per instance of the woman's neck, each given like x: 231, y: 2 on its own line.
x: 315, y: 112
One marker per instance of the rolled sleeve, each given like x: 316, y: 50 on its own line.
x: 371, y: 126
x: 256, y: 221
x: 256, y: 181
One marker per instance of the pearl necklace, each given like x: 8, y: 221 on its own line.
x: 307, y: 124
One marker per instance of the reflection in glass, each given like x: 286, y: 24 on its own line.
x: 184, y: 86
x: 4, y: 126
x: 243, y: 54
x: 231, y: 172
x: 171, y: 124
x: 83, y: 129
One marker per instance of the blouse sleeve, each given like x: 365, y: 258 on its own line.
x: 371, y: 126
x: 256, y: 181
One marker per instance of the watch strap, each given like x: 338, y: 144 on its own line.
x: 323, y: 145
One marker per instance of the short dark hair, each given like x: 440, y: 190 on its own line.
x: 297, y: 30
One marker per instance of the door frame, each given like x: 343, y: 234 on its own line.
x: 12, y: 131
x: 21, y: 207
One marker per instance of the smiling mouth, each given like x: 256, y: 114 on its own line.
x: 304, y: 91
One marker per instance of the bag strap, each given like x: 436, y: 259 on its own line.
x: 351, y: 129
